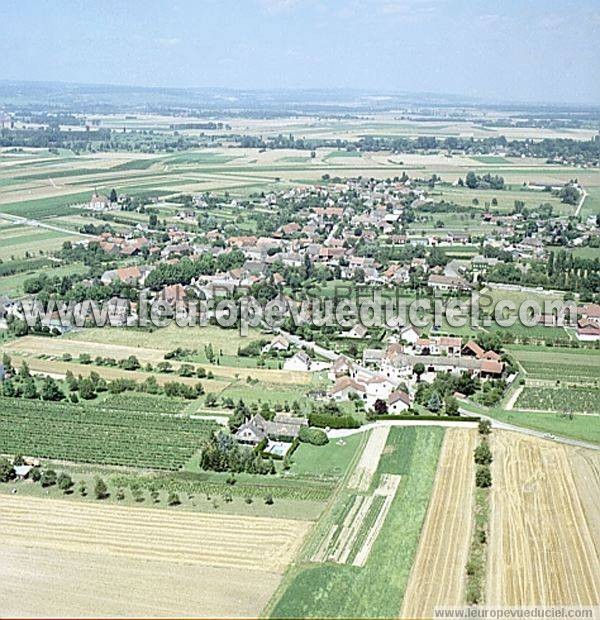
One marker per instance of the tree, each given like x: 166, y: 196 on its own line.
x: 30, y: 390
x: 24, y: 371
x: 48, y: 478
x: 380, y: 407
x: 485, y: 426
x: 419, y: 369
x: 434, y: 403
x: 51, y: 390
x: 7, y: 471
x: 451, y: 406
x: 483, y: 454
x: 113, y: 195
x: 65, y: 482
x: 100, y: 489
x: 483, y: 477
x: 173, y: 499
x: 86, y: 389
x: 471, y: 180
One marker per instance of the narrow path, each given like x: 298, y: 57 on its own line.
x: 513, y: 397
x: 581, y: 201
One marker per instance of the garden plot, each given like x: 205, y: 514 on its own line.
x: 351, y: 542
x: 572, y: 399
x: 369, y: 460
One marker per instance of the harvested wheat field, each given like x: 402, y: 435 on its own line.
x: 438, y: 574
x: 542, y: 549
x: 65, y: 558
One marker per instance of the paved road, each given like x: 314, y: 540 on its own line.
x: 328, y: 354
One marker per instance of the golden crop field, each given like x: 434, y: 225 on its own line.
x: 97, y: 560
x: 543, y: 544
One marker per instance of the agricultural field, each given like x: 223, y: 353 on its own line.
x: 543, y: 549
x: 565, y: 400
x: 97, y: 434
x: 375, y: 588
x: 138, y: 562
x: 438, y: 574
x: 558, y: 364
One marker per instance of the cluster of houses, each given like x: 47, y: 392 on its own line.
x: 383, y: 370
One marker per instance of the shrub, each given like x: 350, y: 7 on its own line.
x: 483, y: 476
x: 314, y: 436
x: 485, y: 427
x: 173, y: 499
x: 7, y: 471
x: 483, y: 455
x: 100, y: 490
x: 48, y: 478
x: 65, y: 482
x: 323, y: 420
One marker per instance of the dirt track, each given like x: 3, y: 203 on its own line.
x: 438, y: 574
x: 542, y: 550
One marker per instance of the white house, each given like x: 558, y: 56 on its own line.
x: 300, y: 361
x: 409, y: 334
x: 341, y: 366
x: 378, y: 388
x: 345, y: 387
x: 358, y: 332
x: 279, y: 343
x: 398, y: 402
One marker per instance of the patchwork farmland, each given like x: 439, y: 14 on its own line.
x: 438, y: 574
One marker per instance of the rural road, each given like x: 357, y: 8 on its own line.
x: 581, y: 201
x: 36, y: 223
x: 346, y: 432
x: 505, y: 426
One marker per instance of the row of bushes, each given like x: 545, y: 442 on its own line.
x: 324, y: 420
x: 436, y: 418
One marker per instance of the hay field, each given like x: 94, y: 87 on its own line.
x: 438, y: 573
x: 61, y: 558
x: 543, y: 550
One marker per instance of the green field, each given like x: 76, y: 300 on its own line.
x: 96, y: 434
x: 563, y: 400
x: 329, y: 462
x: 580, y: 427
x: 558, y: 364
x: 376, y: 589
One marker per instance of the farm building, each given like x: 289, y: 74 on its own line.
x: 256, y: 429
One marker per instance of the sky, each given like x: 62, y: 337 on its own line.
x: 501, y: 50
